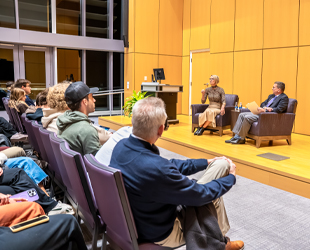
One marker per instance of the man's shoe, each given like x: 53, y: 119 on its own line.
x: 197, y: 131
x: 234, y: 245
x: 238, y: 141
x: 231, y: 140
x: 202, y: 129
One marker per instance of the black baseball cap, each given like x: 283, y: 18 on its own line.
x: 77, y: 91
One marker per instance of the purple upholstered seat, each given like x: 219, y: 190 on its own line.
x: 55, y: 143
x: 17, y: 121
x: 31, y: 137
x: 35, y: 127
x: 52, y: 163
x: 8, y: 111
x: 113, y: 206
x: 86, y: 207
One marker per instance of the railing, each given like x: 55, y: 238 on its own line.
x: 111, y: 92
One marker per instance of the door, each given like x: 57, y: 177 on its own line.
x: 35, y: 66
x: 199, y: 75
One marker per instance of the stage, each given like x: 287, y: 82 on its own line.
x: 292, y: 175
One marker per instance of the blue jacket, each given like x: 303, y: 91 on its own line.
x: 29, y: 101
x: 156, y: 186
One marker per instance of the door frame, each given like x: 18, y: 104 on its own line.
x: 191, y: 75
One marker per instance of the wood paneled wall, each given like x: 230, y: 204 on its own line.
x: 252, y: 44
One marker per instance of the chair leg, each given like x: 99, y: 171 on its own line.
x: 221, y: 132
x: 258, y: 142
x: 270, y: 142
x: 289, y: 141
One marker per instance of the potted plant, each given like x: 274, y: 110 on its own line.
x: 131, y: 101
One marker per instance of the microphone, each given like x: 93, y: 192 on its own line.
x: 206, y: 84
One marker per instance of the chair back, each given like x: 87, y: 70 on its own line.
x: 231, y: 100
x: 80, y: 184
x: 35, y: 127
x: 52, y: 163
x: 55, y: 143
x: 114, y: 207
x: 292, y: 106
x: 17, y: 121
x: 8, y: 111
x: 31, y: 137
x: 112, y: 203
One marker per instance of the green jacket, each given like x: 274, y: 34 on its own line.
x: 77, y: 130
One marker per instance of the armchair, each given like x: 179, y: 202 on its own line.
x: 273, y: 126
x: 222, y: 122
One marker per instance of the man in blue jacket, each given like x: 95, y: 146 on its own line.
x: 156, y: 186
x: 25, y: 85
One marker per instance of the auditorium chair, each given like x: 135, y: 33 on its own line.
x: 114, y: 208
x: 273, y: 126
x: 222, y: 122
x: 8, y: 111
x: 18, y: 123
x: 86, y: 208
x: 31, y: 137
x: 35, y: 127
x: 52, y: 168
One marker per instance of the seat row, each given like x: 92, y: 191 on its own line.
x: 96, y: 191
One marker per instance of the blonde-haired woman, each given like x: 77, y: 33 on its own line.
x: 57, y: 106
x: 17, y: 100
x: 217, y: 104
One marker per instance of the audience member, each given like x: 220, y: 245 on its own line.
x: 74, y: 125
x: 156, y: 187
x: 60, y: 232
x: 25, y: 85
x: 56, y: 106
x: 276, y: 102
x: 8, y: 88
x: 36, y: 113
x: 17, y: 100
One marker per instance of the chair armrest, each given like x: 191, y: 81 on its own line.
x: 224, y: 120
x: 244, y: 110
x: 198, y: 108
x: 272, y: 123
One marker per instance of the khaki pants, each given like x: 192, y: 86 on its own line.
x: 215, y: 170
x: 13, y: 152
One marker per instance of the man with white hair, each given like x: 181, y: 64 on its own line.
x: 156, y: 187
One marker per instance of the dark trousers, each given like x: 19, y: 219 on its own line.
x: 15, y: 180
x: 61, y: 232
x: 6, y: 128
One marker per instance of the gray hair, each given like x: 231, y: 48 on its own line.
x: 147, y: 116
x: 216, y: 78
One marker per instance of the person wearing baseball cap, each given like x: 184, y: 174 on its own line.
x: 74, y: 126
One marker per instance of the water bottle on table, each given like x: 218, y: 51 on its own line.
x: 236, y: 106
x: 240, y: 106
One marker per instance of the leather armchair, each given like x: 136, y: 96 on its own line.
x: 273, y: 126
x: 222, y: 122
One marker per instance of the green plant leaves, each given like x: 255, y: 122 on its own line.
x: 131, y: 101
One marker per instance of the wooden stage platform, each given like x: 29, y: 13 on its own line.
x: 292, y: 175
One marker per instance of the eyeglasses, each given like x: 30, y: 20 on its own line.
x: 166, y: 125
x: 211, y: 79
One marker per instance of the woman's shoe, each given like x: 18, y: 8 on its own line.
x: 201, y: 131
x: 197, y: 131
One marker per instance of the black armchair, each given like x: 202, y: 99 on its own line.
x: 222, y: 122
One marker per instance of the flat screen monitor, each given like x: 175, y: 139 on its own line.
x: 159, y: 74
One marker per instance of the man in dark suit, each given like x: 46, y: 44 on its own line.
x: 276, y: 102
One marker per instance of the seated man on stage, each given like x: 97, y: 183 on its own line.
x: 156, y: 187
x: 276, y: 102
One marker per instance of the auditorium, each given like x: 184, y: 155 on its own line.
x: 154, y: 124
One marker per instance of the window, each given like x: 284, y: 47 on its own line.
x: 69, y: 65
x: 7, y: 14
x: 6, y: 67
x: 118, y: 78
x: 35, y: 15
x: 97, y: 19
x: 97, y: 75
x: 68, y: 17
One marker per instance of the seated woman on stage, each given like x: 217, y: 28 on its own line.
x: 17, y: 100
x: 217, y: 105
